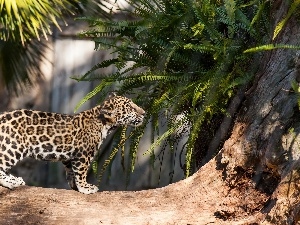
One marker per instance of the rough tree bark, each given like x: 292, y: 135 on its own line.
x: 254, y: 179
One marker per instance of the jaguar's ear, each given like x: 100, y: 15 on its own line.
x: 112, y: 94
x: 106, y: 117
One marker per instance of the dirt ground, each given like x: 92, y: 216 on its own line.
x: 199, y: 199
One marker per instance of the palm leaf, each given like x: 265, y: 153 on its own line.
x: 20, y: 63
x: 22, y: 25
x: 23, y: 20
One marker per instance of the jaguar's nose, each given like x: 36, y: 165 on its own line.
x: 141, y: 111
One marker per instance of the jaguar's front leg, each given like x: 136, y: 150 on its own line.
x: 6, y: 179
x: 80, y: 168
x: 10, y: 181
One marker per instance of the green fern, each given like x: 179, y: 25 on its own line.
x: 120, y: 140
x: 270, y: 47
x: 104, y: 84
x: 180, y: 57
x: 164, y: 136
x: 294, y: 6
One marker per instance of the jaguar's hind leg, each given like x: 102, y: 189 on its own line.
x: 10, y: 181
x: 70, y: 175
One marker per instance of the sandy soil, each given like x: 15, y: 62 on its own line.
x: 200, y: 199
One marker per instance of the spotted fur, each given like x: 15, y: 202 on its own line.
x: 72, y: 139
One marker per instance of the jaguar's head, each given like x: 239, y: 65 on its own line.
x: 119, y: 110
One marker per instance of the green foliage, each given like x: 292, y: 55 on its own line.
x: 26, y: 19
x: 19, y: 64
x: 22, y: 23
x: 191, y: 56
x: 179, y: 57
x: 270, y: 47
x: 119, y: 142
x: 294, y: 6
x: 296, y: 89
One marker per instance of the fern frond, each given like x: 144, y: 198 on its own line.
x: 282, y: 23
x: 165, y: 135
x: 103, y: 64
x: 123, y: 140
x: 203, y: 48
x: 270, y: 47
x: 107, y: 162
x: 149, y: 78
x: 104, y: 84
x: 120, y: 141
x: 136, y: 136
x: 259, y: 12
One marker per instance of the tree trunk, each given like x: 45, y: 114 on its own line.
x: 254, y: 179
x: 264, y: 145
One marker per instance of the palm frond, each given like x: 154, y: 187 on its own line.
x: 22, y: 24
x: 20, y: 63
x: 23, y: 20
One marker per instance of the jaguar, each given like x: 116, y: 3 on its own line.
x: 72, y: 139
